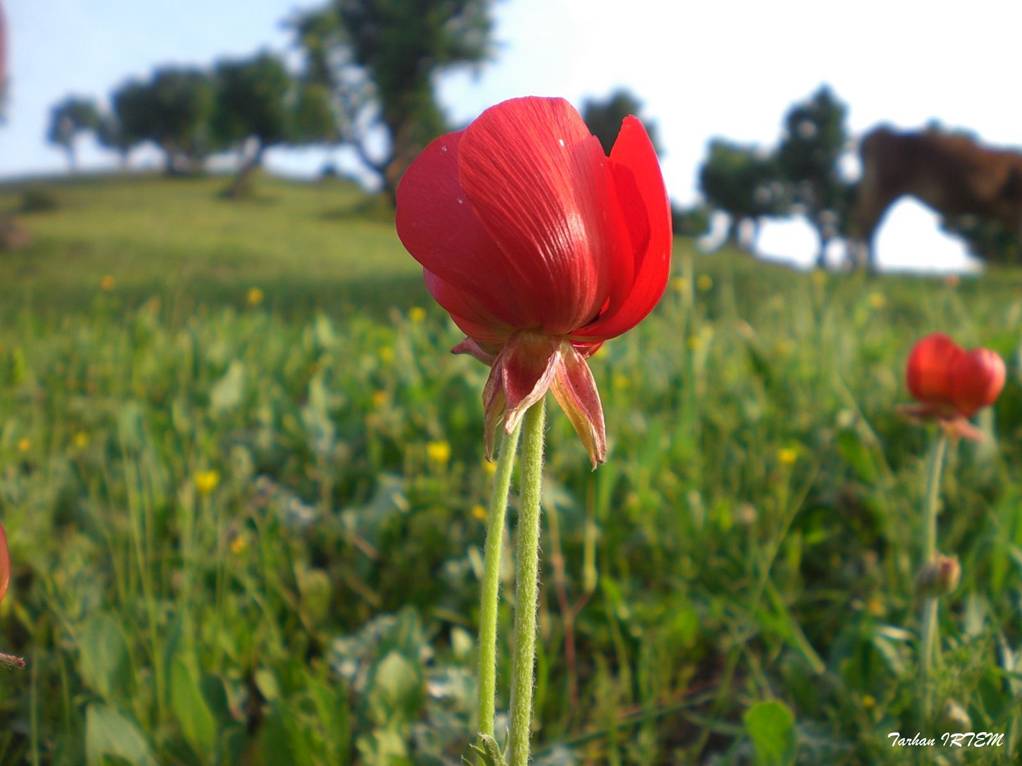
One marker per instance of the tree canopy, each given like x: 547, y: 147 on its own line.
x: 743, y: 182
x: 604, y: 117
x: 69, y: 118
x: 380, y: 58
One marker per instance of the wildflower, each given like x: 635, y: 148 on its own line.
x: 255, y: 296
x: 680, y: 284
x: 438, y: 452
x: 386, y: 354
x: 24, y: 444
x: 207, y: 481
x: 787, y: 455
x: 107, y: 283
x: 239, y: 545
x: 81, y: 440
x: 379, y: 399
x: 939, y: 576
x: 416, y: 314
x: 952, y: 384
x: 479, y: 512
x: 541, y: 248
x: 489, y: 467
x: 877, y: 300
x: 704, y: 283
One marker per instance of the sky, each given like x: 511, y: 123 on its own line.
x: 701, y: 69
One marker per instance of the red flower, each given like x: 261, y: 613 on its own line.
x: 952, y: 384
x: 540, y: 247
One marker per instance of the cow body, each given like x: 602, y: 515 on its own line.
x: 950, y: 173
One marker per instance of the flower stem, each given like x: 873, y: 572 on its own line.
x: 929, y: 640
x: 526, y: 585
x: 491, y: 581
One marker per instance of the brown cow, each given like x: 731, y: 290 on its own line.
x: 951, y: 173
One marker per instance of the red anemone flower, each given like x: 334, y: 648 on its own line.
x: 952, y: 384
x: 540, y: 247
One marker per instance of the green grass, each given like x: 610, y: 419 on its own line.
x: 746, y: 554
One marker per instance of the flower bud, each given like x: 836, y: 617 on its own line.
x: 929, y: 364
x: 976, y: 380
x: 939, y: 577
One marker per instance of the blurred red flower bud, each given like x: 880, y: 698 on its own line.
x: 540, y: 247
x: 952, y: 384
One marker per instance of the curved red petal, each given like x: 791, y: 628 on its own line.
x: 976, y: 380
x: 928, y: 372
x: 541, y: 186
x: 467, y: 311
x: 439, y: 227
x: 643, y: 200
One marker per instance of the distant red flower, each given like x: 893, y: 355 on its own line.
x: 952, y: 384
x: 540, y: 247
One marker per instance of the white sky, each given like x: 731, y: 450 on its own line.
x: 702, y: 69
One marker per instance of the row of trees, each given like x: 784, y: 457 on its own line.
x: 801, y: 175
x: 367, y: 72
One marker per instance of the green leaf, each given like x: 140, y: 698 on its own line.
x: 771, y: 727
x: 109, y: 733
x: 190, y: 708
x: 484, y: 752
x: 226, y: 392
x: 105, y: 662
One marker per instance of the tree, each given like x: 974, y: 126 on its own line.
x: 743, y: 182
x: 172, y: 110
x: 604, y: 117
x: 814, y: 138
x: 380, y: 58
x: 259, y: 105
x: 111, y: 135
x: 70, y: 118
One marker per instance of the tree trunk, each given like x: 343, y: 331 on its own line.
x: 241, y: 186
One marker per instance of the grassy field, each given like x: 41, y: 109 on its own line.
x: 242, y: 481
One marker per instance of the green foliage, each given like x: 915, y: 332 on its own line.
x: 173, y: 110
x: 743, y: 182
x: 70, y: 118
x: 380, y: 59
x: 251, y: 101
x: 771, y: 727
x: 750, y: 538
x: 604, y: 117
x: 813, y: 140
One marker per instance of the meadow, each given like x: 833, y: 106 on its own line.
x: 243, y: 485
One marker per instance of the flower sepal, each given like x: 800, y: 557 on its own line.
x: 529, y: 365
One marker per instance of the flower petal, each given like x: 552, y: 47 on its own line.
x: 928, y: 372
x: 976, y: 378
x: 541, y: 186
x: 440, y: 229
x: 647, y: 211
x: 576, y: 392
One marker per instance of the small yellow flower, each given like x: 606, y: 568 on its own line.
x: 819, y: 278
x: 438, y: 452
x: 479, y: 512
x: 877, y: 300
x: 869, y: 701
x: 106, y: 284
x: 680, y: 284
x: 621, y: 382
x: 704, y: 282
x: 694, y: 342
x: 787, y: 455
x: 489, y: 467
x: 875, y: 606
x: 24, y: 444
x: 239, y: 545
x: 379, y: 399
x: 386, y: 354
x: 255, y: 296
x: 416, y: 314
x: 81, y: 440
x: 784, y: 347
x: 207, y: 481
